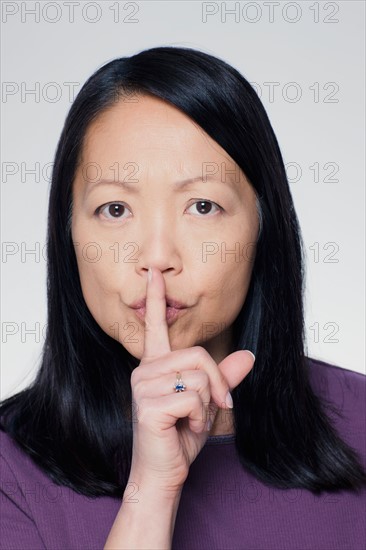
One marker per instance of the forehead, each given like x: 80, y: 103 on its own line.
x: 146, y: 126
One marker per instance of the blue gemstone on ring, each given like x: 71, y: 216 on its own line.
x: 179, y: 386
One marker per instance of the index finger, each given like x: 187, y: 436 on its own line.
x: 156, y: 338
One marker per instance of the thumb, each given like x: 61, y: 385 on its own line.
x: 236, y: 366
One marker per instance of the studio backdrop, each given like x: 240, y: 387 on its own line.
x: 306, y: 61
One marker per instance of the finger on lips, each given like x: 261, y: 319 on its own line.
x: 156, y: 341
x: 157, y: 344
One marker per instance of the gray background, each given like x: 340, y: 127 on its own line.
x: 314, y: 51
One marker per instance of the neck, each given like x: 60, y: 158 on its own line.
x: 223, y: 424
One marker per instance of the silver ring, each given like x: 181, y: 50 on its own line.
x: 179, y: 386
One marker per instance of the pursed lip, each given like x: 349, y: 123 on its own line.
x: 170, y: 302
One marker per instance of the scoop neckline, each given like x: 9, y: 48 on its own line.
x: 219, y: 439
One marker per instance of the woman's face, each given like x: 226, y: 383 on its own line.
x: 201, y: 236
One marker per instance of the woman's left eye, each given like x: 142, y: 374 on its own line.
x: 116, y: 209
x: 201, y: 206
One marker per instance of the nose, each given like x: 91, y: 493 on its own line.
x: 158, y: 247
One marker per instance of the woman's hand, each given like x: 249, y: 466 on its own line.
x: 163, y: 448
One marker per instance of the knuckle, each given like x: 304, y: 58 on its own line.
x: 145, y: 411
x: 200, y: 353
x: 201, y: 356
x: 135, y: 376
x: 138, y: 390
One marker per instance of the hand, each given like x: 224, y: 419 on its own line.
x: 169, y: 429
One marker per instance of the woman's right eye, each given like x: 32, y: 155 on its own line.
x: 112, y: 209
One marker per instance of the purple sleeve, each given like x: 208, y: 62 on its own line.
x: 17, y: 528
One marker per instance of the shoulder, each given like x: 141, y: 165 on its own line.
x: 9, y: 448
x: 337, y: 383
x: 16, y: 465
x: 343, y: 392
x: 15, y: 475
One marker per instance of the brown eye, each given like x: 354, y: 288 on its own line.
x: 205, y: 207
x: 115, y: 210
x: 111, y: 210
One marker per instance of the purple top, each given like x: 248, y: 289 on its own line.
x: 221, y: 507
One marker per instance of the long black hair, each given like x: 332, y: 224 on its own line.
x: 75, y: 419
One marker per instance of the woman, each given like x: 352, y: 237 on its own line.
x: 173, y: 250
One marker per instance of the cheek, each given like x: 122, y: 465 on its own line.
x: 225, y: 281
x: 100, y: 264
x: 100, y: 280
x: 228, y: 266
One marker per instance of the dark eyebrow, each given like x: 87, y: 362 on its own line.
x: 179, y: 185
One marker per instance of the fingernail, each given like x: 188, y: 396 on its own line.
x: 208, y: 425
x: 229, y: 400
x: 149, y: 274
x: 251, y: 353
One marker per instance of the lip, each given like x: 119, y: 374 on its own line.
x: 172, y: 313
x: 170, y: 302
